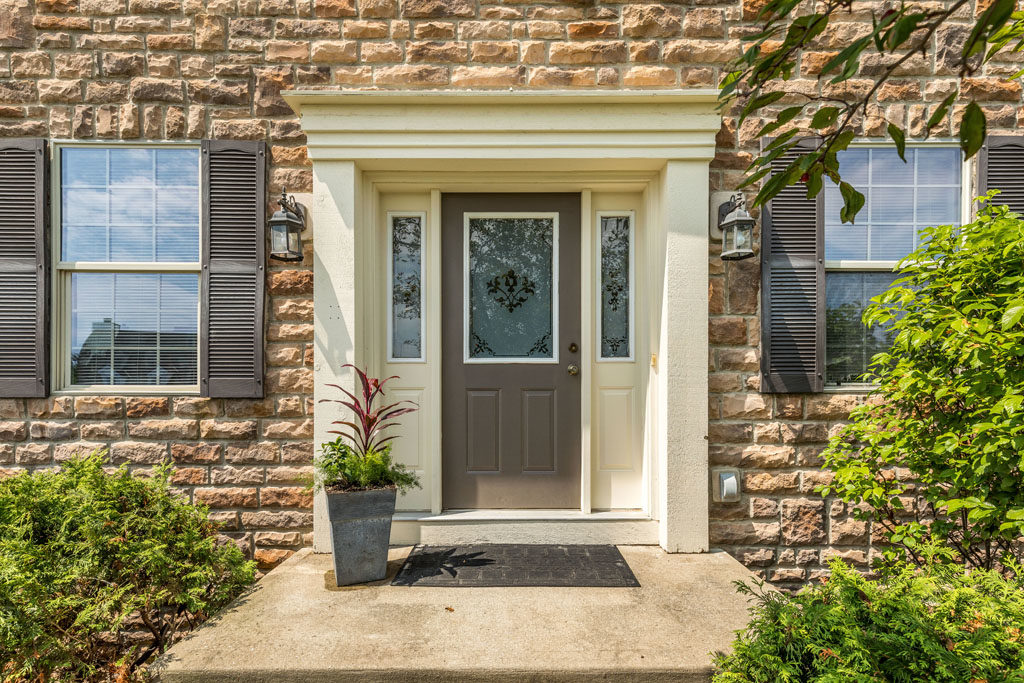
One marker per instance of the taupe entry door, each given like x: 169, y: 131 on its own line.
x: 510, y: 348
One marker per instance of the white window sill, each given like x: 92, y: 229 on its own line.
x: 863, y: 388
x: 128, y: 390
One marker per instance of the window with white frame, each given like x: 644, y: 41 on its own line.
x: 128, y: 267
x: 900, y: 200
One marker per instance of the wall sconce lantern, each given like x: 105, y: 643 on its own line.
x: 286, y: 230
x: 737, y: 228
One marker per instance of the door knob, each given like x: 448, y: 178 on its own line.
x: 573, y: 369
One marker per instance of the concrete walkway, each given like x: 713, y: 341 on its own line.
x: 295, y: 626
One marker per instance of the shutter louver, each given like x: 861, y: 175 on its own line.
x: 234, y: 187
x: 792, y: 290
x: 1001, y: 167
x: 24, y: 323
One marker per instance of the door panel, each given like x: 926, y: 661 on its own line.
x: 540, y: 418
x: 510, y: 310
x: 482, y: 430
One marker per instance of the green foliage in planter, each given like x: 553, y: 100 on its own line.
x: 340, y: 466
x: 948, y: 411
x: 88, y: 555
x: 938, y: 625
x: 360, y: 458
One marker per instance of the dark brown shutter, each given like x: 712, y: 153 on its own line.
x: 792, y: 290
x: 24, y: 306
x: 234, y: 192
x: 1001, y: 167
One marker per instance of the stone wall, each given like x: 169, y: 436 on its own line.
x: 139, y: 70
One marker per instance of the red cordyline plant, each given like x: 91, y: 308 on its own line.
x: 367, y: 426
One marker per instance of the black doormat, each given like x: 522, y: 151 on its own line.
x: 516, y: 565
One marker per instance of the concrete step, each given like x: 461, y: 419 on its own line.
x: 296, y: 626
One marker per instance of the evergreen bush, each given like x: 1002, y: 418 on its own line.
x: 937, y: 624
x: 89, y: 557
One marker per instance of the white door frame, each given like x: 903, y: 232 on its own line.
x: 363, y: 143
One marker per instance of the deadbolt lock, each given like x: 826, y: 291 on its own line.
x: 573, y: 369
x: 574, y: 347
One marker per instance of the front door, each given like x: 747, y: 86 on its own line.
x: 510, y: 348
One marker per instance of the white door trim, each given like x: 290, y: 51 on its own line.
x: 659, y: 143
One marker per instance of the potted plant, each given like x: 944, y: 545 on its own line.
x: 361, y: 481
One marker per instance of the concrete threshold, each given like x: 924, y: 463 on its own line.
x: 296, y: 626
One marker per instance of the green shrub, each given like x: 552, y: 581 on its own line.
x: 935, y: 625
x: 340, y: 466
x: 948, y: 411
x: 87, y: 556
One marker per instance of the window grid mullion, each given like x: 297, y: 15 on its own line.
x: 66, y: 271
x: 862, y: 287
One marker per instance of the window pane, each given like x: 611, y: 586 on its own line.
x: 132, y: 167
x: 890, y: 204
x: 888, y: 169
x: 615, y: 294
x: 134, y: 328
x: 511, y: 287
x: 83, y: 166
x: 174, y: 167
x: 133, y: 201
x: 901, y: 200
x: 853, y: 165
x: 406, y: 287
x: 938, y: 206
x: 849, y: 344
x: 891, y: 242
x: 84, y: 207
x: 177, y: 242
x: 938, y: 166
x: 849, y: 242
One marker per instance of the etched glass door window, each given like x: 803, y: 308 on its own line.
x: 512, y: 285
x: 406, y: 267
x: 616, y: 277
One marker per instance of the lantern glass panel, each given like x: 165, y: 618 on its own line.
x: 295, y: 240
x: 279, y: 237
x: 743, y: 234
x: 729, y: 238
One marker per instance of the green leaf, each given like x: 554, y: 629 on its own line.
x: 1012, y: 316
x: 853, y: 202
x: 898, y: 137
x: 784, y: 117
x: 824, y: 117
x: 940, y: 111
x: 902, y: 30
x: 991, y: 20
x: 972, y: 129
x: 760, y: 101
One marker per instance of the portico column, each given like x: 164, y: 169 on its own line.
x: 335, y: 214
x: 682, y: 368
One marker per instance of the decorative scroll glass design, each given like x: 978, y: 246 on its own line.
x: 616, y: 264
x: 900, y: 200
x: 134, y: 328
x: 511, y: 287
x: 406, y: 287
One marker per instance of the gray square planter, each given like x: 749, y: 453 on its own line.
x: 360, y: 533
